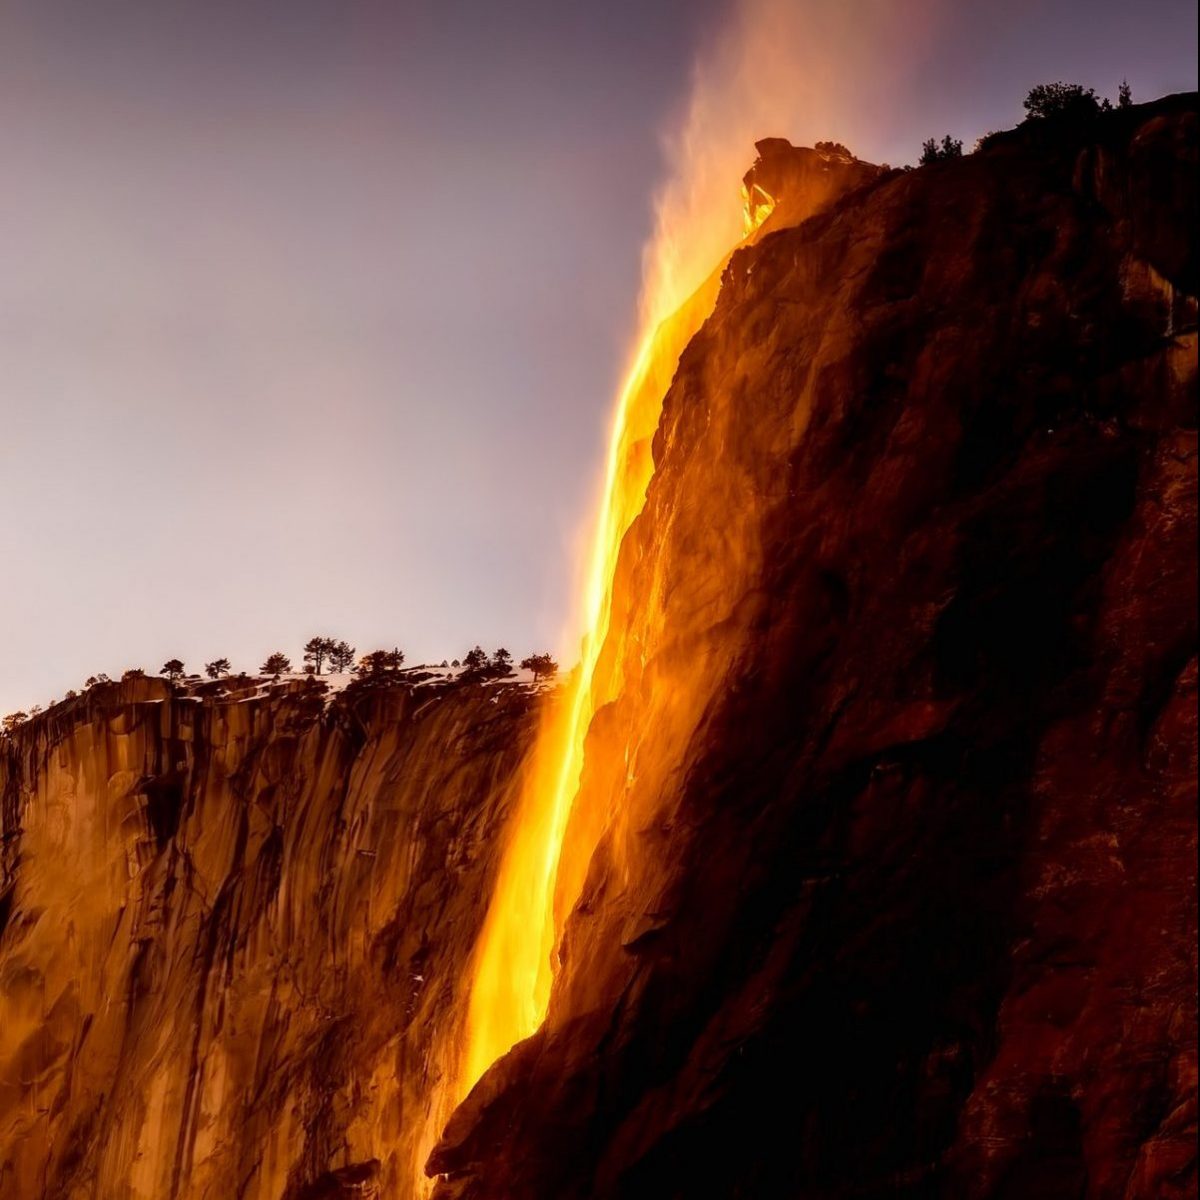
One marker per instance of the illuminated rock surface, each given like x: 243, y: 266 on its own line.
x: 894, y: 892
x: 233, y: 934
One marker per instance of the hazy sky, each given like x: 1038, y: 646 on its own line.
x: 311, y: 312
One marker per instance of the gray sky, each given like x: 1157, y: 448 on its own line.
x: 311, y: 313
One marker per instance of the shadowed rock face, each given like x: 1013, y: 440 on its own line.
x: 897, y: 895
x: 894, y: 892
x: 235, y: 933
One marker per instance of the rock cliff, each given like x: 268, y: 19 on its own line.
x: 232, y: 935
x: 894, y: 887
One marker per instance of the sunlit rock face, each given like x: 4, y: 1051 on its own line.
x: 894, y: 892
x: 233, y: 935
x: 794, y: 181
x: 554, y: 834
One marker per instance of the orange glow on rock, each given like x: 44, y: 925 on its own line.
x: 545, y: 862
x: 736, y: 97
x: 546, y: 858
x: 513, y: 972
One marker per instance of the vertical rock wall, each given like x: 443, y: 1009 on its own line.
x: 896, y: 880
x: 234, y: 936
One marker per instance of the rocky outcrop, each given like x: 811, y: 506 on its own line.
x: 792, y: 182
x: 233, y: 935
x: 895, y: 886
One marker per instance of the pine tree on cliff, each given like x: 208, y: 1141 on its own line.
x: 341, y: 656
x: 173, y: 669
x: 277, y: 664
x: 381, y: 662
x: 371, y: 665
x: 13, y: 721
x: 932, y: 152
x: 1124, y: 95
x: 501, y: 664
x: 474, y: 663
x: 217, y: 668
x: 316, y: 651
x: 543, y: 666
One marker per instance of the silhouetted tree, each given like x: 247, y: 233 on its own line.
x: 1058, y: 100
x: 455, y: 663
x: 14, y: 720
x: 277, y: 664
x: 475, y: 660
x: 1124, y: 95
x: 834, y: 148
x: 372, y: 665
x: 71, y: 694
x: 173, y: 669
x: 217, y: 668
x: 932, y: 152
x: 543, y: 666
x: 381, y: 662
x: 501, y: 663
x: 341, y: 656
x: 316, y: 651
x: 134, y: 673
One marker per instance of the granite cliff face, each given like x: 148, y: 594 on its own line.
x: 895, y: 814
x: 233, y: 932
